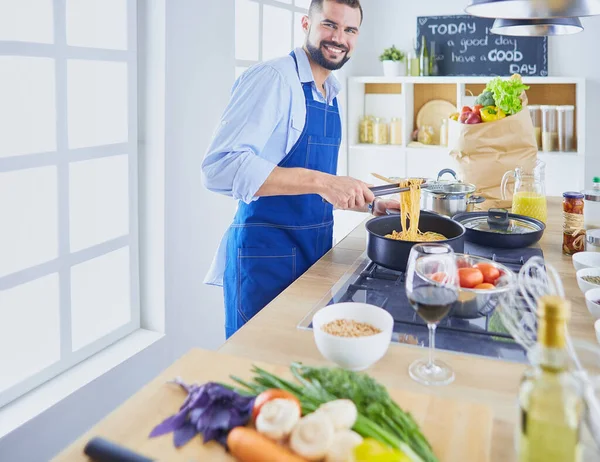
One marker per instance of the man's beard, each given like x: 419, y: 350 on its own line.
x: 317, y: 55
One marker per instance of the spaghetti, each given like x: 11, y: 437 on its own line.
x: 410, y: 211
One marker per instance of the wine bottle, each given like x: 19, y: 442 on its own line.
x: 424, y: 57
x: 550, y: 403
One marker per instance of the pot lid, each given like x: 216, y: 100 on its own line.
x: 453, y: 186
x: 449, y: 187
x: 499, y: 221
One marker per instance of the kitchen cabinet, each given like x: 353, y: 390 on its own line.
x: 403, y: 97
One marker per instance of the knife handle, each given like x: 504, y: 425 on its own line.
x: 101, y: 450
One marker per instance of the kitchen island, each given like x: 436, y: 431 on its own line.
x: 273, y: 337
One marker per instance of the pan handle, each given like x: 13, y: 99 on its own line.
x: 476, y: 199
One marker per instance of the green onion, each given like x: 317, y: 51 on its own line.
x: 379, y: 416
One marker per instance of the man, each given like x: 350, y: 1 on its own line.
x: 276, y: 151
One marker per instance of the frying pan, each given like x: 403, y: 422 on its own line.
x: 498, y: 228
x: 393, y: 254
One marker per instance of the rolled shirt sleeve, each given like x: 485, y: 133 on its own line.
x: 235, y: 163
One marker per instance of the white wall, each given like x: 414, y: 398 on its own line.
x: 199, y: 74
x: 388, y: 22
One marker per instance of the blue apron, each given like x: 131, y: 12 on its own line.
x: 274, y: 240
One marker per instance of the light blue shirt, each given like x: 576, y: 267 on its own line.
x: 261, y: 124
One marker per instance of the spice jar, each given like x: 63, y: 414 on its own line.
x: 573, y: 228
x: 380, y: 131
x: 365, y: 130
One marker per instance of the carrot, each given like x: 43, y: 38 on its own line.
x: 248, y: 445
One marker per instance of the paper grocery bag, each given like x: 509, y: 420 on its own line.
x: 485, y: 151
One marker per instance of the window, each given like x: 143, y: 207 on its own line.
x: 266, y: 29
x: 68, y: 185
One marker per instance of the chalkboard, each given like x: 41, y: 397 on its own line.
x: 464, y: 45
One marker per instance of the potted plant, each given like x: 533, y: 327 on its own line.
x: 392, y: 60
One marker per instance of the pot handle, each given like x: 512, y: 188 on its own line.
x: 447, y: 170
x: 476, y: 200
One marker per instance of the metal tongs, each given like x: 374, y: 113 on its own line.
x: 391, y: 189
x: 387, y: 189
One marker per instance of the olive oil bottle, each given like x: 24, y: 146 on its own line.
x: 550, y: 402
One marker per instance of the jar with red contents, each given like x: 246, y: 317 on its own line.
x: 573, y: 224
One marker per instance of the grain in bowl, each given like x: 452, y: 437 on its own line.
x: 349, y: 328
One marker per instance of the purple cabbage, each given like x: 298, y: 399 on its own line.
x: 210, y: 409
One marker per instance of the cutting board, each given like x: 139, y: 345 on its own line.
x: 458, y: 431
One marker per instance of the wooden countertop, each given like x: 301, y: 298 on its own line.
x: 272, y: 337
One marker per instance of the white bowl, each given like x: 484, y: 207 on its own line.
x: 591, y: 297
x: 353, y: 353
x: 586, y: 259
x: 584, y: 285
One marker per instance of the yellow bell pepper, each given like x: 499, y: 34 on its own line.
x: 371, y: 450
x: 491, y: 113
x: 454, y: 116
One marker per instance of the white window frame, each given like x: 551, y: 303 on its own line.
x: 284, y: 6
x: 61, y: 158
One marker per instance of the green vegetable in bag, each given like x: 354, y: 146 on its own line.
x: 485, y: 99
x: 507, y: 93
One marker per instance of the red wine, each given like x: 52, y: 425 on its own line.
x: 432, y: 303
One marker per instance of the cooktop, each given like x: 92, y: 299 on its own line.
x: 368, y: 282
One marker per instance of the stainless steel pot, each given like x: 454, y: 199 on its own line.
x: 449, y: 197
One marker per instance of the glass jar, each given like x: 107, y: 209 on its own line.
x: 564, y: 119
x: 549, y: 134
x: 396, y: 131
x: 380, y: 131
x: 425, y: 134
x: 414, y: 64
x: 444, y: 133
x: 365, y: 130
x: 536, y: 118
x: 573, y: 227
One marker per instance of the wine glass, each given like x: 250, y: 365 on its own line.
x: 432, y: 288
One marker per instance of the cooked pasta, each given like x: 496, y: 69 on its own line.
x: 410, y: 208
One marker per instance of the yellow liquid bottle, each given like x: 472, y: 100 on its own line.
x: 530, y: 204
x: 550, y: 403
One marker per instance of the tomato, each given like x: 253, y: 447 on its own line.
x: 469, y: 277
x: 269, y: 395
x: 489, y: 271
x: 466, y: 109
x: 485, y: 285
x: 439, y: 277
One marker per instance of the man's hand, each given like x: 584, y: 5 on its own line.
x: 381, y: 205
x: 345, y: 193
